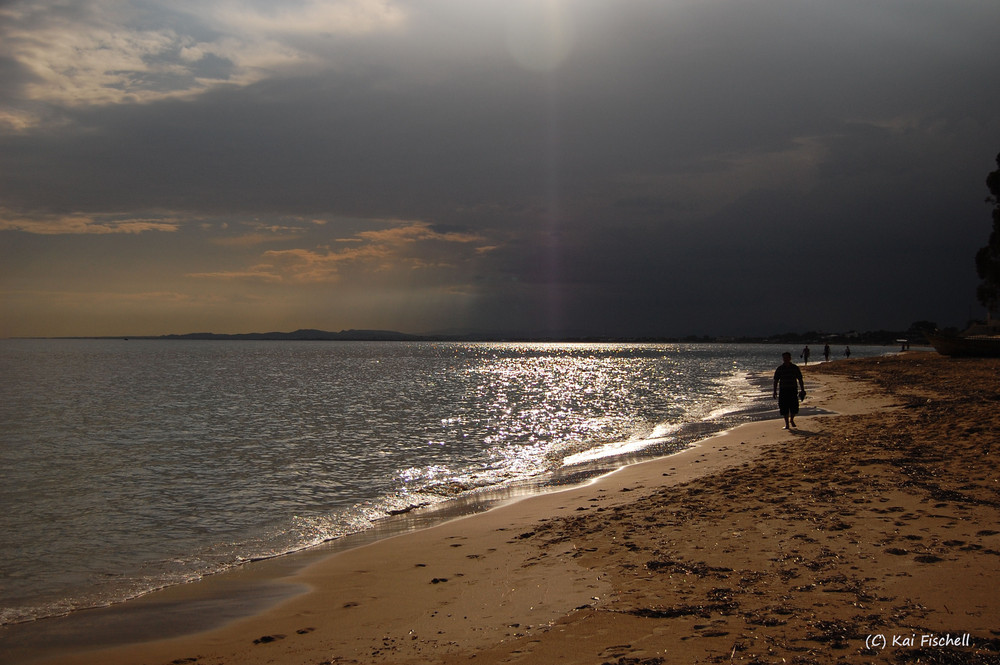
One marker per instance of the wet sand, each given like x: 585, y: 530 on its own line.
x: 848, y: 539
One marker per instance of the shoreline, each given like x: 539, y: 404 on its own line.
x: 216, y: 600
x: 196, y: 529
x: 252, y: 587
x: 742, y: 545
x: 302, y: 578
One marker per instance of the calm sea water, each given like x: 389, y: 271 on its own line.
x: 132, y: 465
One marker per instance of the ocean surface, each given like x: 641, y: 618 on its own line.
x: 132, y: 465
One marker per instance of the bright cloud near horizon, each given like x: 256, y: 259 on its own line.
x: 652, y: 167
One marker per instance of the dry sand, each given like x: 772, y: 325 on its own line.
x: 846, y: 540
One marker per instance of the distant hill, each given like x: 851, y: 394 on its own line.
x: 307, y: 335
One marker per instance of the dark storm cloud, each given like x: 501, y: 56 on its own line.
x: 655, y: 104
x: 653, y: 167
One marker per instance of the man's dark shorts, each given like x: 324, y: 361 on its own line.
x: 788, y: 402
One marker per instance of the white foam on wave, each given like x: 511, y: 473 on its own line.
x: 620, y: 448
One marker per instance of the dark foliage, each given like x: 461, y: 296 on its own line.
x: 988, y: 257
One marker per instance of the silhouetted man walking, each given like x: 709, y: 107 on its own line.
x: 788, y: 388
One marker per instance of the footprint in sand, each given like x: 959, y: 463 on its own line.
x: 268, y: 638
x: 927, y: 558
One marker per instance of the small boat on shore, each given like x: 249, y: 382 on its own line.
x: 965, y: 346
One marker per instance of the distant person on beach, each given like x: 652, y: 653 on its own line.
x: 788, y: 388
x: 826, y: 353
x: 847, y: 352
x: 805, y: 354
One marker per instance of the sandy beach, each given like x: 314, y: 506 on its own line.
x: 870, y: 533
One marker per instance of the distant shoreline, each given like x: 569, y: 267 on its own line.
x: 869, y: 338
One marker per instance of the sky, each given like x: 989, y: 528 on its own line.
x: 568, y: 167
